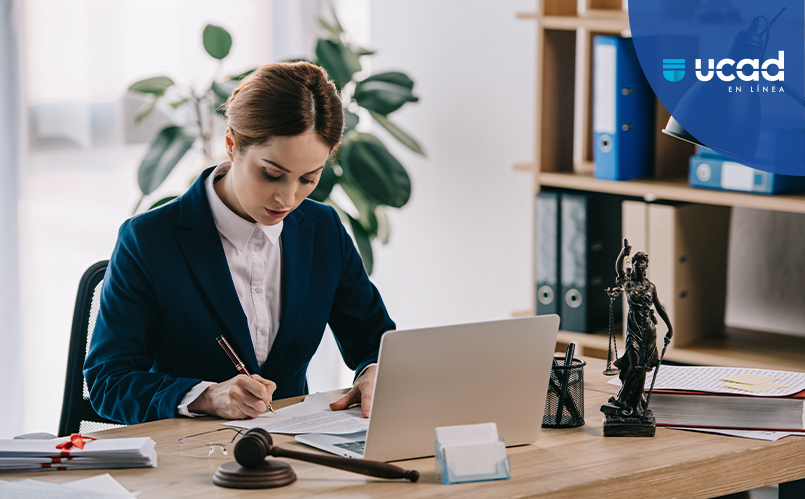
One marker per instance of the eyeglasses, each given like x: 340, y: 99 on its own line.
x: 203, y: 444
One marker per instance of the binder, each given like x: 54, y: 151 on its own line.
x: 712, y: 171
x: 591, y: 239
x: 687, y: 251
x: 547, y: 244
x: 623, y: 111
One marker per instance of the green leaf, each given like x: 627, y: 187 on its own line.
x: 363, y: 51
x: 366, y: 209
x: 143, y: 114
x: 217, y: 41
x: 393, y: 129
x: 370, y: 167
x: 382, y: 97
x: 395, y: 77
x: 166, y: 150
x: 162, y: 201
x: 383, y: 224
x: 179, y: 103
x: 242, y: 75
x: 156, y: 85
x: 338, y: 61
x: 350, y: 121
x: 363, y: 243
x: 330, y: 28
x: 325, y: 186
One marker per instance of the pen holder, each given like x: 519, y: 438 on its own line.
x: 566, y: 387
x: 452, y: 464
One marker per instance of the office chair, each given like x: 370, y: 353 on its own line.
x: 77, y: 415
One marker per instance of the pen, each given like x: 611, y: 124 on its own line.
x: 239, y: 365
x: 563, y: 393
x: 568, y: 402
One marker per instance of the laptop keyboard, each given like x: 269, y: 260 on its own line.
x: 357, y: 447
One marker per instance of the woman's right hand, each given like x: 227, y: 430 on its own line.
x: 626, y: 248
x: 241, y: 397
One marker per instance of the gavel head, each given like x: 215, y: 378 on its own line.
x: 253, y: 447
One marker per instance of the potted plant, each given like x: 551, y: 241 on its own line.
x: 369, y: 174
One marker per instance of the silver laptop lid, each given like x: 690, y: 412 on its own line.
x: 463, y: 374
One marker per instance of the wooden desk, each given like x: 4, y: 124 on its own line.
x: 576, y: 462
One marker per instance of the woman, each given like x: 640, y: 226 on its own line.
x: 242, y: 254
x: 641, y: 354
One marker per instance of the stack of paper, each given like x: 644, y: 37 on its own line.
x: 728, y: 398
x: 97, y: 487
x: 31, y: 455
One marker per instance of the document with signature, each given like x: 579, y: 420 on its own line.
x: 311, y: 416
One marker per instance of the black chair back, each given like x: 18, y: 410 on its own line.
x: 77, y: 415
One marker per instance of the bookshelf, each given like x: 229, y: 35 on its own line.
x: 564, y: 160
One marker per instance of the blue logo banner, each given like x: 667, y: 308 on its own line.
x: 731, y: 73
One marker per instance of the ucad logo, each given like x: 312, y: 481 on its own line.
x: 727, y: 69
x: 673, y: 69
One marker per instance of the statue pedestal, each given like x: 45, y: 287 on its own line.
x: 618, y: 425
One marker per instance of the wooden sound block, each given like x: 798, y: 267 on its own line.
x: 269, y: 474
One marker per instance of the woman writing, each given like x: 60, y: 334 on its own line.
x: 241, y: 254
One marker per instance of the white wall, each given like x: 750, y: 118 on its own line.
x: 767, y: 271
x: 10, y: 157
x: 461, y: 249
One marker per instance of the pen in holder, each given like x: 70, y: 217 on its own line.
x: 564, y: 406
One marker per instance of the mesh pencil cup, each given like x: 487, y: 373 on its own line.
x: 566, y: 387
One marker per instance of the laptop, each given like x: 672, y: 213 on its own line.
x: 453, y: 375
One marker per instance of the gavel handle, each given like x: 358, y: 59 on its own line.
x: 362, y: 466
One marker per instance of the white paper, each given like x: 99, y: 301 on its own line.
x: 311, y: 416
x: 97, y: 487
x: 709, y: 379
x: 755, y: 434
x: 100, y: 483
x: 43, y: 455
x: 478, y: 459
x: 470, y: 434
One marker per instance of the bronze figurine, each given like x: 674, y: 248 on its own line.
x: 628, y: 413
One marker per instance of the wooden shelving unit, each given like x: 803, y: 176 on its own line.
x: 564, y: 160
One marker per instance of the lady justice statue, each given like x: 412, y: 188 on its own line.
x: 628, y: 414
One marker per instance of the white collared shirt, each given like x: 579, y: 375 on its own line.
x: 254, y: 255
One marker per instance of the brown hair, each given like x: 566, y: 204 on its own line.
x: 285, y: 99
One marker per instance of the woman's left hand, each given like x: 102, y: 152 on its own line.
x: 361, y: 393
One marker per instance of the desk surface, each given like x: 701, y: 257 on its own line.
x: 577, y: 462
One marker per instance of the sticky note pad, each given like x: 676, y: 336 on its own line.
x: 766, y: 387
x: 750, y: 379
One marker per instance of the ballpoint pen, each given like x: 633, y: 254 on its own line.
x: 239, y: 365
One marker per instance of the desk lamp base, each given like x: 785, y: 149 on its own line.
x: 269, y: 474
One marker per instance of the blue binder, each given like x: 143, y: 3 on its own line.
x: 623, y: 111
x: 712, y: 171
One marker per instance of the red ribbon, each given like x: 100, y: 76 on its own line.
x: 76, y: 440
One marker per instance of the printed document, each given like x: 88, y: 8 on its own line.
x: 711, y: 379
x: 311, y: 416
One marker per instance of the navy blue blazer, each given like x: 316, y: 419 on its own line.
x: 167, y: 294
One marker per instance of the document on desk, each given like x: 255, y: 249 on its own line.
x: 311, y: 416
x: 725, y: 380
x: 97, y: 487
x: 771, y: 436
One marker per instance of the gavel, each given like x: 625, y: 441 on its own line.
x: 253, y: 447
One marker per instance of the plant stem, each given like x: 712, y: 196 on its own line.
x: 139, y: 202
x: 200, y: 124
